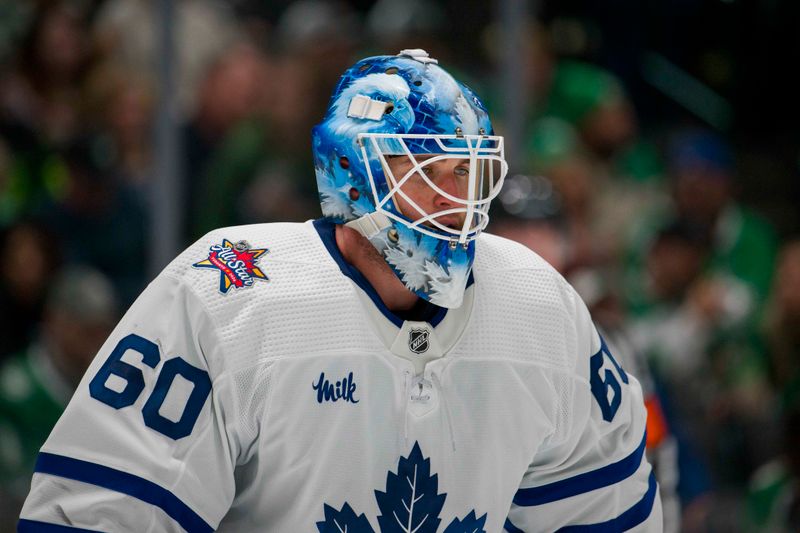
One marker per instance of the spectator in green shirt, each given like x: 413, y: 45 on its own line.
x: 36, y: 385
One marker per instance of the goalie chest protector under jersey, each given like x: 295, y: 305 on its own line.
x: 253, y: 384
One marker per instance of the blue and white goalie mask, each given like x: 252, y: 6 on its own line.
x: 406, y: 156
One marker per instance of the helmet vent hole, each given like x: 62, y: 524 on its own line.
x: 391, y: 70
x: 344, y: 162
x: 417, y: 82
x: 389, y: 109
x: 354, y: 194
x: 364, y: 67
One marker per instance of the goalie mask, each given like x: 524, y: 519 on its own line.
x: 406, y: 156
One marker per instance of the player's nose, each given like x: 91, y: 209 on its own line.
x: 449, y: 183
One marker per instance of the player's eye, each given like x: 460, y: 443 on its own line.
x: 461, y: 171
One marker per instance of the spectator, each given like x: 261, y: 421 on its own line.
x: 100, y: 221
x: 686, y: 315
x: 782, y: 325
x: 694, y: 332
x: 702, y: 169
x: 773, y: 502
x: 43, y: 94
x: 594, y: 101
x: 596, y: 209
x: 702, y: 172
x: 317, y: 40
x: 40, y: 105
x: 126, y: 33
x: 121, y: 106
x: 556, y: 152
x: 36, y: 384
x: 31, y: 254
x: 237, y: 174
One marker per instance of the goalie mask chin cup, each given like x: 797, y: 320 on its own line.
x: 407, y: 106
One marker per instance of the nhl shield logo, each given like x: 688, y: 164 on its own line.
x: 418, y: 340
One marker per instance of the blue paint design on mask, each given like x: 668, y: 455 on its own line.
x: 424, y: 99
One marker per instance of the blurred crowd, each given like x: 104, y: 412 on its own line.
x: 697, y: 291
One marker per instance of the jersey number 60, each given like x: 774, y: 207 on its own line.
x: 603, y: 381
x: 135, y: 385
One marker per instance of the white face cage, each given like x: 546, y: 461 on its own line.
x: 484, y: 155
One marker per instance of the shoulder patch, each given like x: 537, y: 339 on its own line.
x: 236, y: 264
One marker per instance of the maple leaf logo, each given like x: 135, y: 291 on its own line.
x: 334, y: 201
x: 442, y: 283
x: 410, y: 504
x: 408, y: 262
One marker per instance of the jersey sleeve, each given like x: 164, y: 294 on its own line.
x: 591, y: 473
x: 145, y: 444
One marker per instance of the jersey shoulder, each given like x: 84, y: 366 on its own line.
x: 254, y: 245
x: 512, y: 271
x: 495, y: 253
x: 525, y: 310
x: 269, y: 291
x: 272, y: 262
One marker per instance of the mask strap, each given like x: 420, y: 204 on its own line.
x: 370, y: 224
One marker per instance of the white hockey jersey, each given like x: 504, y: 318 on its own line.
x: 259, y: 384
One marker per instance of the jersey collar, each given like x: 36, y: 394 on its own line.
x: 430, y: 313
x: 429, y: 336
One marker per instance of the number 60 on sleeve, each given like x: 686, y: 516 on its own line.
x: 135, y: 384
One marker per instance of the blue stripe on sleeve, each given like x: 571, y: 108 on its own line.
x: 34, y: 526
x: 588, y: 481
x: 116, y: 480
x: 627, y: 520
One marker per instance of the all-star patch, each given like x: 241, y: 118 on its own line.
x: 236, y: 264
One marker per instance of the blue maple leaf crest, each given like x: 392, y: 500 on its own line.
x: 410, y: 504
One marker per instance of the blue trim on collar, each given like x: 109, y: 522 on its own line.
x: 327, y: 232
x: 119, y: 481
x: 588, y: 481
x: 35, y: 526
